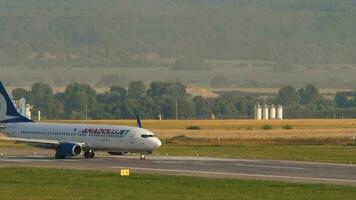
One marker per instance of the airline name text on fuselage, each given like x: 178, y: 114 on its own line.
x: 105, y: 131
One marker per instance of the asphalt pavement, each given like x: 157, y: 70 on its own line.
x: 290, y: 171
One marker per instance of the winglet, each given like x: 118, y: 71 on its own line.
x: 139, y: 124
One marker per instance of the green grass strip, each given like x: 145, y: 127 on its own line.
x: 37, y: 184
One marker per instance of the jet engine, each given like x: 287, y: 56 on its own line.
x: 68, y: 149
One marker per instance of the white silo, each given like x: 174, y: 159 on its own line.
x: 28, y: 111
x: 22, y: 106
x: 280, y: 112
x: 265, y: 112
x: 272, y: 112
x: 258, y: 112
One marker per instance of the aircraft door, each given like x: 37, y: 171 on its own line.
x: 11, y: 131
x: 132, y: 139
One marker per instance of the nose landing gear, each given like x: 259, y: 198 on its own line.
x: 143, y: 157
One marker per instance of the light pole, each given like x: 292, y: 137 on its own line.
x: 86, y: 111
x: 176, y: 109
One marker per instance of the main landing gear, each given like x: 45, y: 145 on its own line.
x: 89, y: 154
x: 143, y: 155
x: 59, y: 156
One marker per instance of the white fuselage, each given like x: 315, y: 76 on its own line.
x: 96, y: 137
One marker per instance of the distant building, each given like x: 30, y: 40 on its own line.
x: 258, y: 112
x: 23, y: 108
x: 266, y: 112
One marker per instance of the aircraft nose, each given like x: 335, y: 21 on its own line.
x: 157, y: 143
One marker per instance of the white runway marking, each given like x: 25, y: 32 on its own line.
x: 24, y: 160
x: 240, y: 174
x: 270, y: 166
x: 169, y: 162
x: 28, y: 157
x: 248, y: 165
x: 189, y: 158
x: 33, y: 159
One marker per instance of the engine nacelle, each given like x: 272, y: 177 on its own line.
x: 68, y: 149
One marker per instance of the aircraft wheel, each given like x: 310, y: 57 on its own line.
x: 143, y: 157
x: 92, y: 155
x: 89, y: 154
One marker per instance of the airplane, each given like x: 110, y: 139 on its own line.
x: 74, y: 139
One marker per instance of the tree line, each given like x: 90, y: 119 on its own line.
x: 310, y: 96
x: 80, y: 101
x: 168, y: 99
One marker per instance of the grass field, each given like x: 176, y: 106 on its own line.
x: 336, y: 150
x: 325, y: 153
x: 36, y: 184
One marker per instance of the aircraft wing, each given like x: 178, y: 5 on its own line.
x: 54, y: 143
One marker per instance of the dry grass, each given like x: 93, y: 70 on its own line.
x: 226, y: 124
x: 257, y: 134
x: 260, y: 90
x: 242, y: 129
x: 183, y: 140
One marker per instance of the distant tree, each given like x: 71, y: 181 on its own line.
x: 121, y: 92
x: 309, y: 94
x: 341, y: 100
x: 137, y: 89
x: 185, y: 108
x: 287, y: 95
x: 116, y: 95
x: 167, y: 107
x: 167, y: 89
x: 19, y: 93
x: 219, y: 81
x: 60, y: 97
x: 43, y: 100
x: 353, y: 101
x: 109, y: 104
x: 79, y: 99
x: 202, y: 107
x: 129, y: 108
x: 225, y: 106
x: 243, y: 106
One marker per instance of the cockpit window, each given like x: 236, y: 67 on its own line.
x: 147, y: 136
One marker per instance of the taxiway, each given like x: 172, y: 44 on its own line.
x: 197, y: 166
